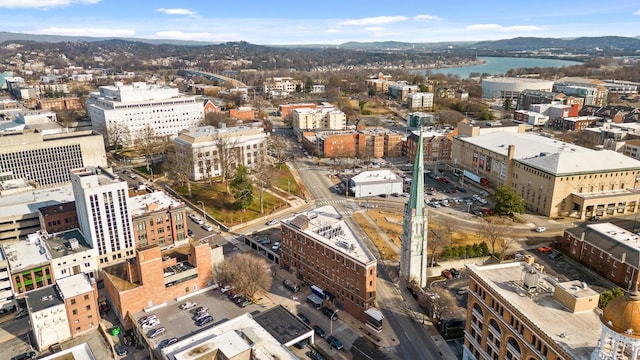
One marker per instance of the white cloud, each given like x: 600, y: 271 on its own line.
x: 333, y: 31
x: 500, y: 28
x: 378, y: 20
x: 42, y: 4
x: 177, y: 11
x: 103, y: 32
x: 427, y: 17
x: 637, y: 12
x: 179, y: 35
x: 375, y: 28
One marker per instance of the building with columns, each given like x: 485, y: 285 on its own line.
x: 413, y: 256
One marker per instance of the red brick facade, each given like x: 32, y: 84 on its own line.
x: 82, y: 311
x: 242, y: 114
x: 57, y: 218
x: 161, y: 227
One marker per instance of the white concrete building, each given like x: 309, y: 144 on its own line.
x: 6, y: 294
x: 327, y: 118
x: 421, y: 100
x: 510, y: 87
x: 102, y: 204
x: 373, y: 183
x: 70, y: 254
x: 282, y: 86
x: 48, y: 317
x: 531, y: 117
x: 204, y: 147
x: 140, y: 105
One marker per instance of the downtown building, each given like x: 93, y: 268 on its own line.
x: 206, y: 150
x: 104, y: 215
x: 139, y: 107
x: 320, y: 249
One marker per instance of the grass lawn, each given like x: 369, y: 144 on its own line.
x: 157, y: 171
x: 386, y: 252
x: 282, y: 178
x: 219, y: 204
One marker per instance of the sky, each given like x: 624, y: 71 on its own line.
x: 274, y: 22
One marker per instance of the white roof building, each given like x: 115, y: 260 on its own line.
x: 374, y: 183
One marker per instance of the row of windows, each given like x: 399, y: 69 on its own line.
x: 46, y: 166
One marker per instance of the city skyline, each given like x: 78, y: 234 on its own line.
x: 331, y: 23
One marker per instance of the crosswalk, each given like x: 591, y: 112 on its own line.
x: 331, y: 202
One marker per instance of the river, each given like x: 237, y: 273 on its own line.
x: 500, y: 65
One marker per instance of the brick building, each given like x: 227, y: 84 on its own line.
x: 575, y: 123
x: 362, y: 144
x: 59, y: 217
x: 516, y: 312
x: 436, y: 146
x: 157, y: 219
x: 288, y: 109
x: 320, y: 248
x: 80, y: 297
x: 30, y: 267
x: 606, y: 249
x: 60, y: 104
x: 154, y: 277
x: 242, y: 113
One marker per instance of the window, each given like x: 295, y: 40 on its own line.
x: 73, y: 301
x: 75, y: 312
x: 88, y: 307
x: 86, y: 297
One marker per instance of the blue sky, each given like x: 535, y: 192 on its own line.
x: 322, y: 22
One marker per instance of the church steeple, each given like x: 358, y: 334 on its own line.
x: 413, y: 259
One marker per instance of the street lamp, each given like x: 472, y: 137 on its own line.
x: 204, y: 214
x: 331, y: 322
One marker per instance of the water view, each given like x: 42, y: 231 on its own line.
x: 500, y: 65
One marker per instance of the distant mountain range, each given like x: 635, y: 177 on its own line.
x: 616, y: 44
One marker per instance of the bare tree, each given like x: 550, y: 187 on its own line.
x: 179, y: 165
x: 246, y: 272
x: 227, y: 160
x: 440, y: 236
x: 118, y: 136
x: 279, y: 148
x: 495, y: 230
x: 216, y: 118
x: 262, y: 175
x: 147, y: 144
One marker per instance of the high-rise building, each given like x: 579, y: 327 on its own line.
x: 413, y: 257
x: 102, y: 203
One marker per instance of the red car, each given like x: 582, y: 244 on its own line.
x: 544, y: 249
x: 447, y: 274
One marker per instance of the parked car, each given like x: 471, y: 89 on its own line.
x: 331, y: 314
x: 319, y: 331
x: 25, y: 356
x: 314, y: 355
x: 544, y: 249
x: 271, y: 222
x: 225, y: 288
x: 156, y: 332
x: 447, y: 274
x: 334, y: 342
x: 554, y: 255
x: 276, y: 246
x: 204, y: 321
x: 145, y: 318
x: 207, y: 227
x: 189, y: 232
x: 541, y: 229
x: 172, y: 341
x: 121, y: 350
x: 200, y: 309
x: 201, y: 315
x: 150, y: 323
x: 304, y: 318
x: 455, y: 273
x: 188, y: 305
x: 133, y: 176
x: 594, y: 218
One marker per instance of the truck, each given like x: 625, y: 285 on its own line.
x: 475, y: 178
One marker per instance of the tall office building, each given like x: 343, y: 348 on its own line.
x: 102, y: 203
x: 413, y: 257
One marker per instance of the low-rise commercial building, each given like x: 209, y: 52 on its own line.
x: 516, y: 312
x: 70, y: 254
x: 320, y: 249
x: 511, y: 87
x: 206, y: 150
x: 59, y: 217
x: 30, y: 265
x: 374, y: 183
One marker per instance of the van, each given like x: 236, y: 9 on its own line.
x: 291, y: 285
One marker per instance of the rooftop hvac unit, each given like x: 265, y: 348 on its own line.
x: 531, y: 279
x: 74, y: 244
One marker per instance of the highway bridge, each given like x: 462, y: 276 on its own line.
x: 215, y: 77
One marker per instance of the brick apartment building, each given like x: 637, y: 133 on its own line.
x: 436, y: 146
x: 362, y: 144
x: 288, y: 109
x: 60, y: 104
x: 154, y: 277
x: 320, y: 249
x: 606, y: 249
x: 157, y: 219
x: 80, y: 297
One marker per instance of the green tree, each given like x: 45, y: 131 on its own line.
x: 242, y: 189
x: 607, y: 296
x: 308, y: 85
x: 508, y: 201
x: 507, y: 105
x: 361, y: 105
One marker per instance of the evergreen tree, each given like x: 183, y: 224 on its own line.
x: 242, y: 189
x: 508, y: 201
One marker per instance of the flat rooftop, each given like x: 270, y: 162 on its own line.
x: 576, y: 333
x: 26, y: 254
x: 327, y: 226
x: 282, y: 324
x: 100, y: 176
x: 553, y: 156
x: 74, y: 285
x: 376, y: 177
x: 231, y: 337
x: 29, y: 202
x: 149, y: 202
x: 43, y: 298
x: 63, y: 244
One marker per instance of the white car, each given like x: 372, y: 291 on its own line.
x: 541, y: 229
x: 206, y: 227
x: 271, y: 222
x: 188, y: 305
x: 276, y: 246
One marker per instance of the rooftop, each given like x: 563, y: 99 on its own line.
x: 232, y: 337
x: 58, y: 208
x: 612, y: 239
x: 74, y: 285
x: 28, y: 202
x: 576, y: 333
x: 282, y: 324
x: 515, y: 79
x: 26, y: 254
x: 376, y: 176
x: 553, y: 156
x: 149, y: 202
x: 65, y: 243
x: 100, y: 176
x: 326, y: 225
x: 43, y: 298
